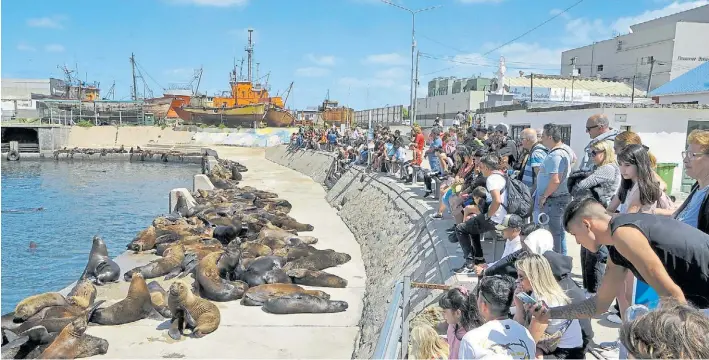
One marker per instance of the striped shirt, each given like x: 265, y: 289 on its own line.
x: 536, y: 158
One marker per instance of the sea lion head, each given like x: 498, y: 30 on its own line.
x: 83, y: 294
x: 341, y: 257
x: 98, y: 246
x: 318, y: 293
x: 179, y: 290
x: 337, y: 306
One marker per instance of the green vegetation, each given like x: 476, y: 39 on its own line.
x: 85, y: 123
x: 222, y: 126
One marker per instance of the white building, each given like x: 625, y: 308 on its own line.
x: 667, y: 47
x: 446, y: 106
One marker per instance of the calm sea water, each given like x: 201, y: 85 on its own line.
x: 81, y: 199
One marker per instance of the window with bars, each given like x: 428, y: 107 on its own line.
x: 565, y: 134
x: 516, y: 131
x: 599, y: 68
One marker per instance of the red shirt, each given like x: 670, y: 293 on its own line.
x: 420, y: 141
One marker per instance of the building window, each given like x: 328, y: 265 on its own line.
x: 625, y: 128
x: 516, y: 131
x: 599, y: 68
x: 565, y: 134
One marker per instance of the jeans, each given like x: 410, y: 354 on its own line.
x: 469, y: 234
x: 427, y: 180
x: 593, y: 267
x: 554, y: 207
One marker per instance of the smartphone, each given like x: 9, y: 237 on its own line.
x: 526, y: 298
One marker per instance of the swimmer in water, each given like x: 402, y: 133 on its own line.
x: 33, y: 246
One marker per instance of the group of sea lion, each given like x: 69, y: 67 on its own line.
x: 238, y: 243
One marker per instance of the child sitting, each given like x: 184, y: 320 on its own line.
x: 480, y: 203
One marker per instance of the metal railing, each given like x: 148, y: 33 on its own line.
x: 393, y: 341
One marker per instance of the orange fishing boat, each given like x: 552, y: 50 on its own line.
x: 248, y: 105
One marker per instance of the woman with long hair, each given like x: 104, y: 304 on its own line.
x: 629, y: 138
x: 559, y: 338
x: 638, y: 192
x: 461, y: 313
x: 426, y: 344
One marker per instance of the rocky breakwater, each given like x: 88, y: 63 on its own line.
x: 228, y: 245
x: 393, y: 229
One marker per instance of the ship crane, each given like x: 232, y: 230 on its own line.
x: 111, y: 92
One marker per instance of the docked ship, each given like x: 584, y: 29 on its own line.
x: 248, y: 104
x: 330, y: 113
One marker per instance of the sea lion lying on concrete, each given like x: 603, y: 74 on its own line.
x: 190, y: 311
x: 136, y: 305
x: 319, y: 261
x: 292, y: 253
x: 303, y: 303
x: 257, y: 296
x: 262, y: 270
x: 171, y: 262
x: 158, y: 297
x: 31, y: 305
x: 73, y: 342
x: 28, y: 344
x: 276, y: 238
x: 281, y: 220
x: 209, y: 283
x: 273, y: 205
x: 252, y: 249
x: 316, y: 278
x: 82, y: 295
x: 100, y: 268
x: 145, y: 240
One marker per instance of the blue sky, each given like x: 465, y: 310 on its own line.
x: 359, y: 50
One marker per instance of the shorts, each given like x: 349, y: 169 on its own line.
x: 446, y: 199
x: 468, y: 201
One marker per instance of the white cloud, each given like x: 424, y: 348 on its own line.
x: 53, y: 22
x: 25, y: 47
x: 387, y: 59
x: 622, y: 25
x: 312, y: 72
x: 213, y: 3
x: 324, y: 60
x: 480, y: 1
x: 54, y: 48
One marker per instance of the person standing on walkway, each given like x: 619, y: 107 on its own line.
x: 670, y: 256
x: 552, y: 193
x: 598, y: 128
x: 536, y: 153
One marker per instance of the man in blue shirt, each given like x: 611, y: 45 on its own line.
x: 331, y: 140
x: 537, y: 152
x: 552, y: 193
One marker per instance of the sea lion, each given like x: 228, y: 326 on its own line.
x: 169, y: 263
x: 262, y: 270
x: 72, y: 342
x: 136, y: 305
x: 303, y: 303
x: 225, y: 234
x: 100, y: 268
x: 27, y: 345
x: 319, y: 261
x: 292, y: 253
x: 30, y: 306
x: 316, y: 278
x: 211, y: 285
x: 158, y: 296
x: 281, y: 238
x: 82, y: 295
x: 273, y: 205
x: 252, y: 249
x: 275, y: 276
x: 191, y: 311
x: 145, y: 240
x: 283, y: 221
x: 236, y: 174
x: 257, y: 296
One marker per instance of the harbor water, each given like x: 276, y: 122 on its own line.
x: 61, y: 205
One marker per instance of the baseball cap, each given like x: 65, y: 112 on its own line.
x: 502, y: 128
x: 510, y: 221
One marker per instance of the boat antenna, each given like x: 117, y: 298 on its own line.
x: 250, y: 52
x: 241, y: 69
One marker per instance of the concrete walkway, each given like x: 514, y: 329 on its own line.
x: 249, y: 332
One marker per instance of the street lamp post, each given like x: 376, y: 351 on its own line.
x: 413, y: 48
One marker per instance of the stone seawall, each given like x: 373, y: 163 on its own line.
x: 394, y: 231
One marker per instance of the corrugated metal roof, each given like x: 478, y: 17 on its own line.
x: 693, y: 81
x: 594, y: 86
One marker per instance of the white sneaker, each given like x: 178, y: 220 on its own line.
x: 614, y: 318
x: 609, y: 350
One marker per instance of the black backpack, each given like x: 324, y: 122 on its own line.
x: 519, y: 198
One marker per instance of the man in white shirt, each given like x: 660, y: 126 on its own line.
x: 511, y: 227
x: 500, y: 337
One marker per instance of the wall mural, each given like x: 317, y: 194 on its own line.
x: 247, y: 137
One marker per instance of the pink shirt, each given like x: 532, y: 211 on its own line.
x: 453, y: 342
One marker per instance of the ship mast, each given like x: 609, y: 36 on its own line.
x: 135, y: 89
x: 250, y: 52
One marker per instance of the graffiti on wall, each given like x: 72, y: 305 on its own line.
x: 247, y: 137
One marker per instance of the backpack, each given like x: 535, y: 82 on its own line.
x: 519, y: 198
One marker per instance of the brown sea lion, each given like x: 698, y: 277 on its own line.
x: 101, y: 268
x: 211, y: 285
x: 28, y: 344
x: 319, y: 261
x: 191, y: 311
x: 145, y: 240
x: 283, y: 221
x: 257, y: 193
x: 257, y: 296
x: 274, y: 205
x: 83, y: 294
x: 303, y: 303
x: 292, y: 253
x: 170, y: 262
x: 280, y: 238
x: 158, y: 296
x: 252, y: 249
x: 136, y: 305
x: 316, y: 278
x: 72, y: 342
x: 32, y: 305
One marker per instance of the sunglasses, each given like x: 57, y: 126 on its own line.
x: 589, y: 128
x: 596, y: 152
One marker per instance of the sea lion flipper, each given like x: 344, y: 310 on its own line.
x: 155, y: 315
x: 17, y: 342
x: 174, y: 272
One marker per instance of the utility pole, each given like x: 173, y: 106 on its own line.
x: 531, y: 87
x: 412, y: 115
x: 413, y: 13
x: 649, y: 79
x: 632, y: 94
x: 573, y: 77
x: 135, y: 90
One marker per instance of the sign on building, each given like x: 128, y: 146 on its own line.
x: 524, y: 93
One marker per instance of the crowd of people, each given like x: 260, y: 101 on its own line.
x: 534, y: 190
